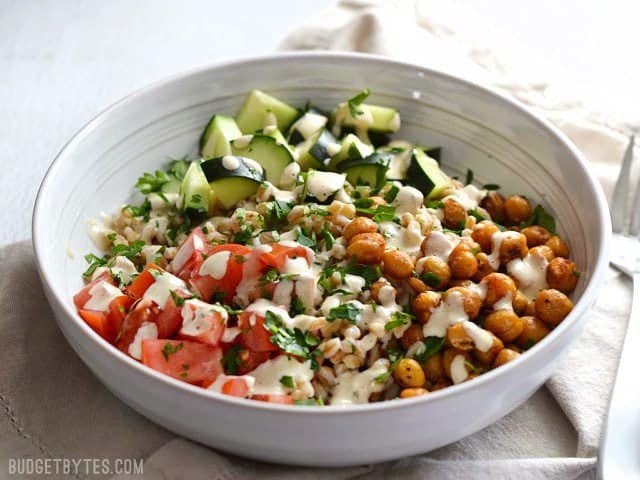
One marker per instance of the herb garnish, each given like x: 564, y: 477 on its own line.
x: 347, y: 311
x: 291, y: 340
x: 355, y: 102
x: 170, y: 349
x: 231, y: 360
x: 431, y: 279
x: 433, y: 345
x: 391, y: 194
x: 287, y: 381
x: 540, y: 217
x: 398, y: 319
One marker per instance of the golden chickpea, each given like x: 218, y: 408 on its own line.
x: 411, y: 335
x: 519, y: 302
x: 505, y: 324
x: 462, y: 262
x: 542, y: 251
x: 514, y: 347
x: 499, y: 286
x: 482, y: 234
x: 457, y: 337
x: 471, y: 301
x: 505, y: 356
x: 487, y: 358
x: 516, y: 209
x: 435, y: 272
x: 559, y: 247
x: 530, y: 309
x: 447, y: 358
x: 434, y: 368
x: 413, y: 392
x: 484, y: 267
x: 512, y: 247
x: 376, y: 287
x: 408, y: 373
x: 562, y: 274
x: 444, y: 383
x: 397, y: 264
x: 417, y: 285
x: 359, y: 225
x: 534, y: 330
x: 536, y: 235
x: 424, y: 303
x: 552, y: 306
x: 454, y: 214
x: 493, y: 203
x: 367, y: 247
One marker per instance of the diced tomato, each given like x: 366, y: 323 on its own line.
x: 206, y: 324
x: 255, y: 337
x: 83, y: 295
x: 189, y: 361
x: 169, y: 320
x: 143, y: 281
x: 144, y: 311
x: 189, y: 256
x: 207, y: 286
x: 249, y: 360
x: 236, y: 387
x: 118, y: 311
x: 279, y: 254
x: 272, y: 398
x: 99, y: 322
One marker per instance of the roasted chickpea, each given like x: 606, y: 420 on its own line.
x: 530, y: 309
x: 457, y: 337
x: 376, y: 287
x: 367, y: 247
x: 449, y: 355
x: 533, y: 331
x: 505, y: 356
x: 408, y: 373
x: 444, y: 383
x: 424, y: 303
x: 499, y: 286
x: 512, y: 247
x: 493, y: 203
x: 558, y: 246
x: 552, y: 306
x: 562, y: 274
x: 536, y: 235
x: 543, y: 251
x: 357, y: 226
x: 435, y: 272
x: 413, y: 392
x: 516, y: 209
x: 482, y: 234
x: 487, y: 358
x: 519, y: 302
x: 433, y: 368
x: 484, y: 267
x: 462, y: 262
x: 417, y: 285
x: 454, y: 214
x: 505, y: 324
x: 411, y: 335
x: 397, y: 264
x: 471, y: 301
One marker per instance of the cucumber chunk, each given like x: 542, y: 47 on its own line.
x: 315, y: 152
x: 195, y: 190
x: 268, y: 152
x: 172, y: 186
x: 308, y: 124
x: 352, y: 148
x: 424, y: 173
x: 369, y: 171
x: 232, y: 179
x: 373, y: 118
x: 217, y: 136
x: 261, y: 110
x: 321, y: 186
x: 401, y: 153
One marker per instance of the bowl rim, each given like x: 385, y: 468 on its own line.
x: 95, y: 341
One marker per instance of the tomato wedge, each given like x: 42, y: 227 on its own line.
x: 272, y: 398
x: 142, y: 282
x: 236, y: 387
x: 189, y: 256
x: 279, y: 254
x: 202, y: 322
x: 191, y: 362
x: 169, y: 319
x: 83, y: 296
x: 144, y: 311
x: 249, y: 360
x: 99, y: 322
x: 118, y: 309
x: 208, y: 286
x: 254, y: 336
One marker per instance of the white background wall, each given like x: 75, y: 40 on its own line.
x: 63, y: 61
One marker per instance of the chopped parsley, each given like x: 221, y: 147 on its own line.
x: 111, y: 236
x: 472, y: 367
x: 530, y: 343
x: 391, y: 194
x: 297, y: 307
x: 491, y: 186
x: 141, y: 211
x: 130, y: 251
x: 152, y: 182
x: 355, y: 102
x: 477, y: 215
x: 277, y: 214
x: 541, y: 217
x: 231, y: 360
x: 291, y: 340
x: 329, y: 239
x: 398, y: 319
x: 170, y: 349
x: 178, y: 168
x: 576, y: 273
x: 94, y: 262
x: 435, y: 204
x: 382, y: 213
x: 432, y: 346
x: 431, y: 279
x: 469, y: 179
x: 302, y: 239
x: 347, y: 311
x: 384, y: 376
x: 370, y: 273
x: 287, y: 381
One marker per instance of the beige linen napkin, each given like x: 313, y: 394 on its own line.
x: 53, y: 407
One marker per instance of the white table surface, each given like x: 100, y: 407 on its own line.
x: 63, y: 61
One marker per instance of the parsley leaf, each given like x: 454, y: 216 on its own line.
x: 541, y: 217
x: 348, y: 311
x: 383, y: 377
x: 433, y: 345
x: 382, y: 213
x: 152, y: 182
x: 431, y: 279
x: 370, y: 273
x: 178, y: 168
x: 491, y: 186
x: 141, y: 211
x: 355, y: 102
x: 329, y: 239
x: 297, y: 307
x: 435, y: 204
x: 287, y: 381
x: 290, y: 340
x: 302, y: 239
x: 530, y: 343
x: 94, y: 262
x: 391, y: 194
x: 277, y: 214
x: 469, y: 178
x: 170, y: 349
x: 130, y: 251
x: 231, y: 360
x: 477, y: 215
x: 398, y: 319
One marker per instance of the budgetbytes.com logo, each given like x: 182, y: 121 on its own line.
x: 75, y: 466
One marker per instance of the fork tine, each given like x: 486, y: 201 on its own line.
x: 619, y: 206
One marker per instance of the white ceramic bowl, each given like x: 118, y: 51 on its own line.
x: 499, y: 139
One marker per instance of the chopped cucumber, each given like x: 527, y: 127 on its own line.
x: 371, y: 118
x: 268, y: 152
x: 425, y: 174
x: 321, y: 186
x: 261, y: 110
x: 433, y: 152
x: 172, y: 186
x: 369, y: 171
x: 401, y: 153
x: 195, y: 190
x: 232, y: 178
x: 308, y: 124
x: 352, y: 148
x: 217, y: 136
x: 315, y: 152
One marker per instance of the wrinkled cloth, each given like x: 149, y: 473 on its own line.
x: 53, y: 407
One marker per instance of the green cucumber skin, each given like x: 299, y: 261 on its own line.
x: 226, y: 127
x: 372, y: 169
x: 266, y: 150
x: 258, y: 104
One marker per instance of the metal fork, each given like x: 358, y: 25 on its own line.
x: 619, y: 455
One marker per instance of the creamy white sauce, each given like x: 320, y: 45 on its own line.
x: 343, y: 196
x: 216, y: 265
x: 222, y: 379
x: 98, y: 234
x: 250, y: 274
x: 496, y: 242
x: 504, y: 303
x: 195, y: 315
x: 418, y: 348
x: 356, y: 387
x: 440, y: 244
x: 309, y: 124
x: 229, y: 162
x: 193, y: 244
x: 324, y: 184
x: 469, y: 196
x: 160, y: 290
x: 530, y: 273
x: 230, y: 334
x: 268, y: 374
x: 482, y: 339
x: 448, y: 313
x: 289, y: 175
x: 148, y: 330
x: 333, y: 149
x: 242, y: 142
x: 394, y: 124
x: 252, y: 164
x: 101, y: 295
x: 400, y: 162
x: 270, y: 119
x: 282, y: 293
x: 408, y: 199
x: 459, y: 371
x: 124, y: 267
